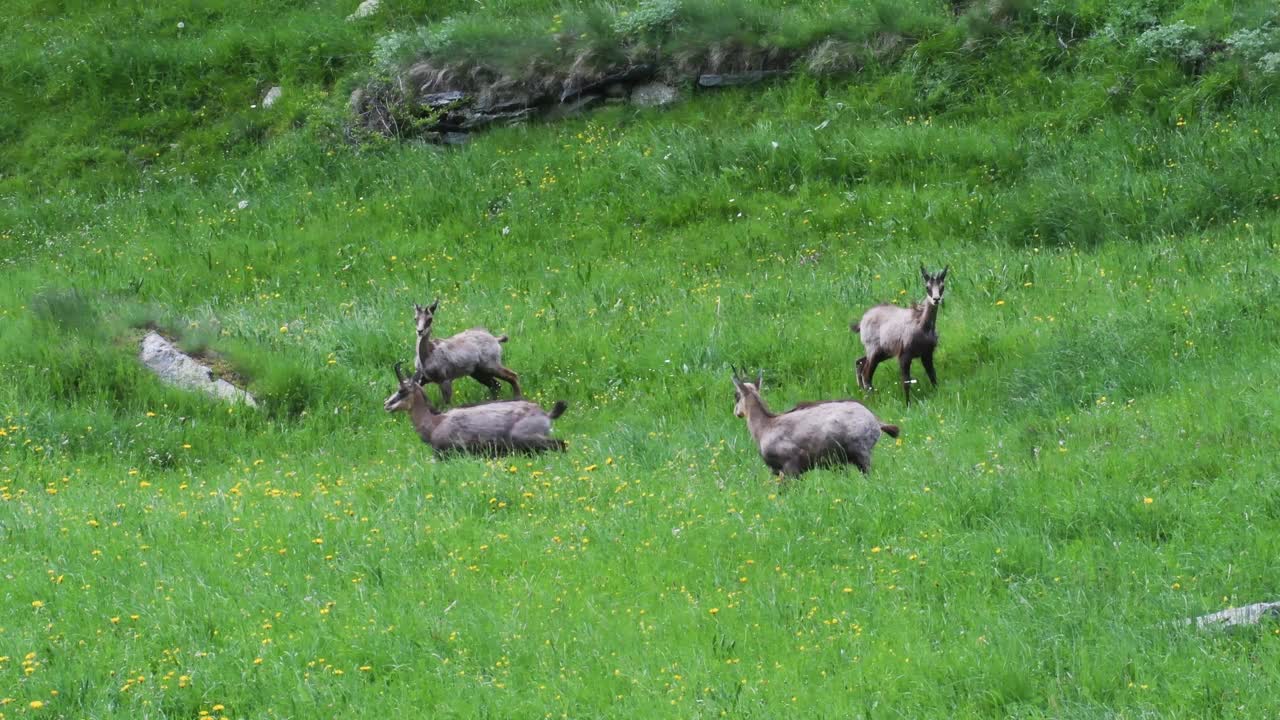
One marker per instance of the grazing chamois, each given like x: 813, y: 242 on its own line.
x: 905, y: 333
x: 475, y: 352
x: 493, y: 428
x: 815, y: 433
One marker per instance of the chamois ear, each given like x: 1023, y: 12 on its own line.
x: 943, y: 275
x: 399, y: 373
x: 924, y: 273
x: 417, y: 307
x: 759, y: 380
x: 434, y: 305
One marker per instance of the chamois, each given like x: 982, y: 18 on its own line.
x: 475, y: 352
x: 492, y: 428
x: 810, y: 434
x: 905, y: 333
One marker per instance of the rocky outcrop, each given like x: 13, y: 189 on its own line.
x: 442, y: 105
x: 176, y: 368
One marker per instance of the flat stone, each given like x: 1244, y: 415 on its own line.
x: 178, y: 369
x: 736, y: 79
x: 442, y: 99
x: 1235, y: 617
x: 473, y: 120
x: 272, y: 96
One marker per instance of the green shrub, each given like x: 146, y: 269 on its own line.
x: 1178, y: 41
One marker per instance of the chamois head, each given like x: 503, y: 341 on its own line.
x: 934, y: 285
x: 423, y: 316
x: 407, y: 395
x: 742, y: 390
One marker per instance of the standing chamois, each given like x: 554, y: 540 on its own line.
x: 905, y: 333
x: 810, y: 434
x: 493, y: 428
x: 475, y: 352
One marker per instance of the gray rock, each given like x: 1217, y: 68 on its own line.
x: 1234, y: 617
x: 442, y: 99
x: 272, y: 96
x: 366, y: 8
x: 474, y: 120
x: 747, y: 78
x: 356, y: 101
x: 654, y: 94
x: 176, y: 368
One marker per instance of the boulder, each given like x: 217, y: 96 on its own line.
x: 272, y: 96
x: 366, y: 8
x: 654, y: 94
x: 176, y: 368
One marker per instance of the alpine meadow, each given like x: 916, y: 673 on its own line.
x: 1097, y: 465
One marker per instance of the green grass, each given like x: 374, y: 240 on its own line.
x: 1098, y: 461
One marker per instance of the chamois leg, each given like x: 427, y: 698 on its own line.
x: 797, y: 464
x: 858, y: 368
x: 446, y: 392
x: 862, y: 462
x: 488, y: 381
x: 904, y: 367
x: 869, y: 369
x: 508, y: 375
x: 927, y: 361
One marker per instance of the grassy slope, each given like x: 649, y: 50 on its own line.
x: 1107, y: 340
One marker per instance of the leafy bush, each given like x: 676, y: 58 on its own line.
x: 1178, y: 41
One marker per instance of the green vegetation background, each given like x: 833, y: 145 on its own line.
x: 1098, y: 461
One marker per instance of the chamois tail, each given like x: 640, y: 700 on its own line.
x: 890, y: 430
x: 855, y: 327
x: 558, y: 409
x: 502, y: 338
